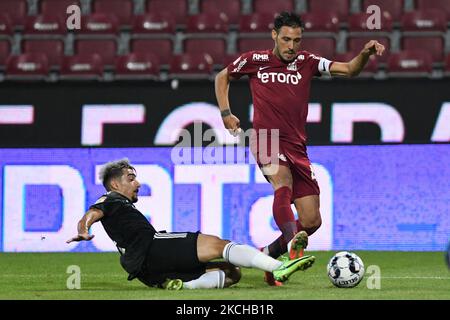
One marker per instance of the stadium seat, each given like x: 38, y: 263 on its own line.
x: 249, y: 44
x: 5, y: 50
x: 153, y: 23
x: 339, y: 7
x: 6, y: 29
x: 272, y: 6
x: 53, y: 49
x: 230, y: 58
x: 447, y: 64
x: 256, y: 23
x: 44, y: 26
x: 161, y: 48
x: 137, y: 66
x: 106, y: 49
x: 355, y: 44
x: 207, y: 23
x: 179, y: 8
x: 190, y: 66
x: 442, y: 5
x: 433, y: 45
x: 98, y: 24
x: 324, y: 47
x: 392, y: 9
x: 370, y: 68
x: 16, y: 10
x: 32, y: 66
x: 425, y: 20
x: 121, y: 9
x: 216, y: 48
x: 82, y: 67
x: 412, y: 62
x: 57, y: 7
x: 321, y: 22
x: 231, y: 8
x: 358, y: 23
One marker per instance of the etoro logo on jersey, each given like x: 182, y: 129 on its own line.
x: 278, y: 77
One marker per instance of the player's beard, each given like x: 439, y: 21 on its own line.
x: 280, y: 56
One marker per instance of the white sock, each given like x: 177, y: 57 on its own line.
x: 208, y: 280
x: 245, y: 256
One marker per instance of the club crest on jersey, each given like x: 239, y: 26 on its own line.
x: 260, y: 57
x: 292, y: 66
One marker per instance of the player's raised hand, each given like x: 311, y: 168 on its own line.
x: 81, y: 237
x: 373, y: 47
x: 232, y: 123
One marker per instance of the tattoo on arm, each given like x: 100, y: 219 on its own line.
x: 225, y: 113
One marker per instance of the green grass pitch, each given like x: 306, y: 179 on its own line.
x: 404, y: 275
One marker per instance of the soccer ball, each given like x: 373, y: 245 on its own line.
x: 345, y: 269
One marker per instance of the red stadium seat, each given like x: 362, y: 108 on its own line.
x: 417, y: 61
x: 442, y: 5
x: 179, y: 8
x: 358, y: 23
x: 122, y: 9
x: 162, y: 48
x: 106, y: 49
x: 153, y: 23
x: 447, y: 63
x: 53, y: 49
x: 6, y: 29
x: 27, y: 66
x: 249, y: 44
x: 256, y: 22
x: 433, y: 45
x: 137, y: 66
x: 190, y: 65
x: 207, y: 23
x: 216, y: 48
x: 99, y: 24
x: 57, y: 7
x: 230, y: 58
x: 5, y: 50
x: 425, y: 20
x: 231, y: 8
x: 321, y: 22
x: 16, y: 10
x: 355, y: 44
x: 82, y: 66
x: 43, y: 25
x: 339, y: 7
x: 324, y: 47
x: 370, y: 68
x: 272, y: 6
x: 392, y: 9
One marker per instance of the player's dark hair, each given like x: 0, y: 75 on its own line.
x: 112, y: 170
x: 287, y: 19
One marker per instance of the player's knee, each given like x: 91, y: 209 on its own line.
x: 313, y: 222
x: 217, y: 245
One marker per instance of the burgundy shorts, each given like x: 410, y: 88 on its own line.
x: 294, y: 157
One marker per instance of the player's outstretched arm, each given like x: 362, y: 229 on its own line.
x: 92, y: 216
x: 222, y: 84
x: 356, y: 65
